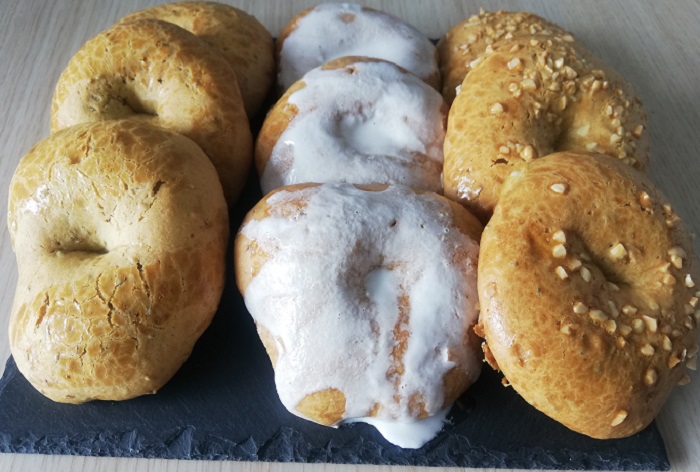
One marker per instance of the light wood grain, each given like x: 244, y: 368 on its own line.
x: 654, y: 44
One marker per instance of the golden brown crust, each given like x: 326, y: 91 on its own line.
x: 528, y: 95
x: 586, y: 286
x: 325, y: 407
x: 120, y: 230
x: 162, y: 74
x: 469, y: 39
x: 241, y: 38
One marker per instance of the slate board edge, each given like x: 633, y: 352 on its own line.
x: 220, y: 449
x: 288, y: 445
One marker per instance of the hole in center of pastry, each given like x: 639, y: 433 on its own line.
x: 78, y: 245
x: 120, y: 97
x: 367, y: 133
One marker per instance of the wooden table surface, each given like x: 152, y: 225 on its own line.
x: 656, y: 45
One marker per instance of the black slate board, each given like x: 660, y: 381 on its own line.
x: 223, y: 405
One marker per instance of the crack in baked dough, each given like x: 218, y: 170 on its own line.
x: 146, y: 286
x: 98, y: 292
x: 42, y: 311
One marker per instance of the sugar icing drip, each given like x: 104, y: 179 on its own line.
x: 374, y: 125
x: 347, y: 272
x: 411, y: 435
x: 333, y: 30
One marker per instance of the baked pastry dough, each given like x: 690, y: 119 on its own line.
x: 120, y: 230
x: 242, y: 39
x: 356, y: 120
x: 587, y: 284
x: 162, y: 74
x: 529, y: 93
x: 470, y: 39
x: 364, y: 297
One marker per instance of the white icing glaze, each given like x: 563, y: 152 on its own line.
x: 325, y: 33
x: 375, y: 125
x: 407, y: 435
x: 329, y: 295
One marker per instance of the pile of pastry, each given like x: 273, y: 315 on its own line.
x: 426, y: 208
x: 120, y: 218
